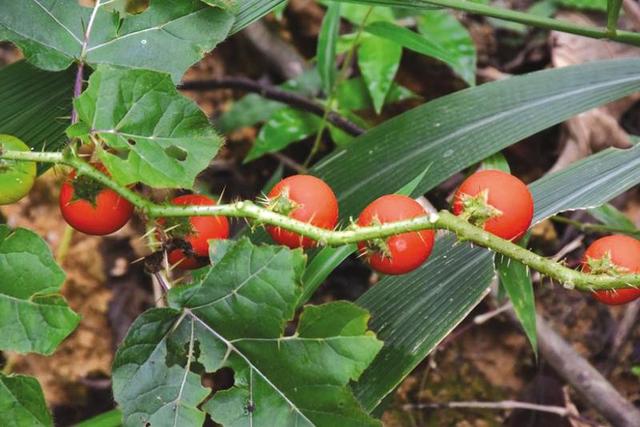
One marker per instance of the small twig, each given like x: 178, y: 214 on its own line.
x: 624, y: 329
x: 504, y: 405
x: 485, y: 317
x: 290, y: 163
x: 276, y: 94
x: 65, y: 243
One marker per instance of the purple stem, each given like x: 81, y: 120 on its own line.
x: 77, y: 89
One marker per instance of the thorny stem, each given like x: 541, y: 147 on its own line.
x: 442, y: 220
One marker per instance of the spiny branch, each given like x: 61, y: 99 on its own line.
x: 260, y: 215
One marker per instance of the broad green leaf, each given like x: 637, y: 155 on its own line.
x: 609, y: 215
x: 311, y: 369
x: 285, y: 127
x: 33, y: 315
x: 445, y: 31
x: 378, y: 60
x: 356, y: 13
x: 166, y: 37
x: 327, y: 40
x: 36, y: 106
x: 458, y: 130
x: 429, y: 302
x: 150, y: 384
x: 445, y: 39
x: 300, y: 379
x: 515, y: 279
x: 22, y: 402
x: 161, y: 138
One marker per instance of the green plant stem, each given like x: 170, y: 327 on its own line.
x: 342, y: 75
x: 595, y: 228
x: 65, y: 243
x: 352, y: 234
x: 511, y: 15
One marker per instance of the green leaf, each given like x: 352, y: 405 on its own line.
x: 356, y: 13
x: 321, y: 266
x: 161, y: 138
x: 33, y: 316
x: 300, y: 379
x: 514, y: 276
x: 285, y: 127
x: 252, y: 109
x: 496, y: 161
x: 456, y: 131
x: 613, y: 13
x: 378, y: 60
x: 452, y: 46
x: 600, y: 5
x: 36, y: 106
x: 149, y: 383
x: 112, y: 418
x: 22, y: 402
x: 612, y: 217
x: 352, y: 95
x: 327, y: 40
x: 166, y: 37
x: 446, y: 32
x: 249, y: 11
x: 430, y: 301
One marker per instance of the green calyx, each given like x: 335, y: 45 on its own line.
x: 605, y: 266
x: 282, y: 204
x: 378, y: 245
x: 477, y: 210
x: 86, y: 188
x: 177, y: 227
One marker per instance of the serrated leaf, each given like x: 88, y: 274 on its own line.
x: 33, y: 316
x: 161, y: 137
x: 378, y: 60
x: 22, y: 402
x: 149, y: 384
x: 166, y: 37
x: 236, y: 315
x: 286, y: 126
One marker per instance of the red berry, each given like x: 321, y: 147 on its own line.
x: 614, y: 254
x: 401, y: 253
x: 90, y: 207
x: 197, y: 231
x: 497, y: 201
x: 305, y: 198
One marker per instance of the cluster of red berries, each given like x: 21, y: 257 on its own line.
x: 494, y: 200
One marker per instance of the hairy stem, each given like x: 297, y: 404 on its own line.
x: 442, y: 220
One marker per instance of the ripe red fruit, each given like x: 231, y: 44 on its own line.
x: 614, y: 254
x: 497, y: 201
x: 305, y: 198
x: 90, y: 207
x: 401, y: 253
x: 195, y: 230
